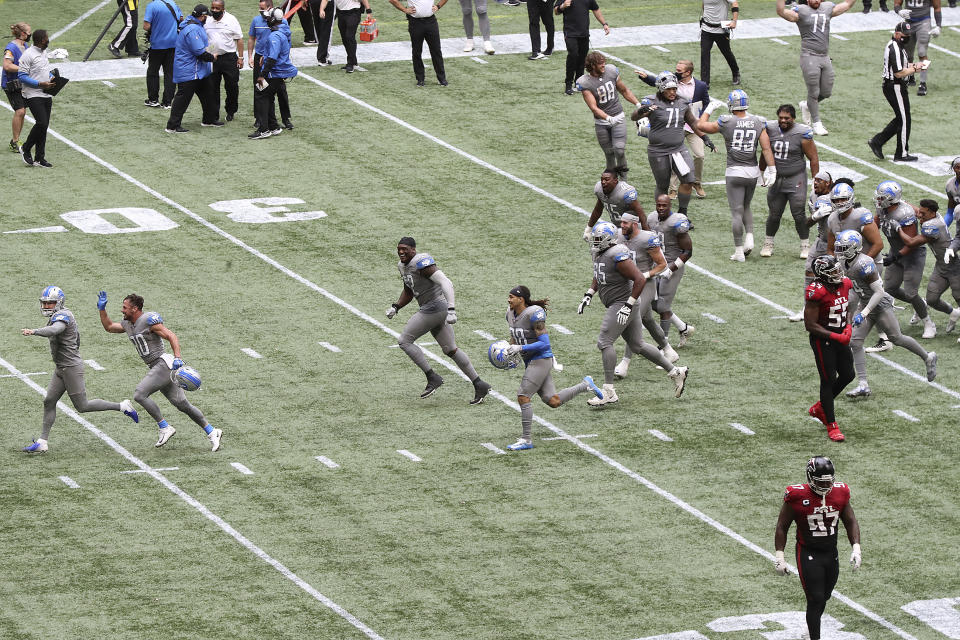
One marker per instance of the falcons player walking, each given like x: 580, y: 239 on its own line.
x: 816, y: 507
x: 825, y: 318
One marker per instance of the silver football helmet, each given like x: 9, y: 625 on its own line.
x: 51, y: 294
x: 848, y: 244
x: 888, y: 193
x: 666, y: 80
x: 841, y: 197
x: 603, y: 236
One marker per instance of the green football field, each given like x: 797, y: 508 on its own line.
x: 340, y: 504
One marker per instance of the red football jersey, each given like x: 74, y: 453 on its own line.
x: 817, y: 519
x: 833, y: 305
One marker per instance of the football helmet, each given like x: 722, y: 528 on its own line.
x: 51, y: 294
x: 888, y: 193
x: 820, y: 475
x: 827, y: 269
x: 603, y: 236
x: 955, y: 163
x: 841, y: 197
x: 848, y: 244
x: 737, y: 100
x: 186, y: 378
x: 666, y: 80
x: 497, y: 353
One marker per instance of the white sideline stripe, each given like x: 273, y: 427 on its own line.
x: 562, y: 329
x: 742, y: 429
x: 659, y: 48
x: 956, y: 406
x: 838, y: 36
x: 94, y: 365
x: 155, y: 469
x: 250, y: 352
x: 209, y: 515
x: 483, y: 334
x: 452, y: 368
x: 493, y: 447
x: 916, y: 376
x: 947, y: 51
x: 779, y: 317
x: 419, y: 344
x: 779, y: 41
x: 585, y: 435
x: 476, y: 59
x: 407, y: 454
x: 55, y: 229
x: 67, y: 481
x: 241, y: 468
x: 35, y: 373
x: 327, y: 462
x: 109, y: 84
x: 717, y: 319
x: 331, y: 347
x: 955, y: 29
x: 83, y: 17
x: 906, y: 416
x: 659, y: 434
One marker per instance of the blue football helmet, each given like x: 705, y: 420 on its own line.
x: 888, y: 193
x: 497, y: 354
x: 737, y: 100
x: 186, y: 378
x: 841, y: 197
x: 603, y: 235
x: 848, y: 244
x: 667, y: 80
x: 52, y: 294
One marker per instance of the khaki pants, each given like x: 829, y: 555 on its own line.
x: 697, y: 151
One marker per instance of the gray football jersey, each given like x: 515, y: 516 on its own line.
x: 666, y: 125
x: 619, y: 201
x: 822, y: 223
x: 612, y: 286
x: 919, y: 9
x: 674, y: 225
x: 715, y: 11
x: 890, y: 223
x: 742, y: 136
x: 65, y: 346
x: 521, y: 326
x: 639, y: 245
x: 148, y: 344
x: 424, y: 289
x: 937, y: 234
x: 604, y: 89
x: 814, y: 25
x: 787, y: 147
x: 953, y: 191
x: 856, y: 220
x: 859, y: 270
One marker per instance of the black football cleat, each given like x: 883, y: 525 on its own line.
x: 433, y: 383
x: 481, y: 390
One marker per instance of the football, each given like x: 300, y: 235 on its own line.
x: 186, y: 378
x: 497, y: 353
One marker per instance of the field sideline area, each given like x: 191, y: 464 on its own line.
x: 341, y: 505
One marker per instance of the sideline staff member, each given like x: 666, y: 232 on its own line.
x: 895, y: 74
x: 272, y: 75
x: 422, y: 25
x: 348, y: 19
x: 191, y: 72
x: 576, y: 35
x: 161, y: 21
x: 226, y: 39
x: 712, y: 31
x: 35, y: 76
x: 10, y: 84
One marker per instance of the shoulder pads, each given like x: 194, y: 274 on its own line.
x: 153, y: 318
x: 682, y: 225
x: 620, y: 257
x: 425, y: 261
x: 930, y: 229
x: 630, y: 195
x: 60, y: 317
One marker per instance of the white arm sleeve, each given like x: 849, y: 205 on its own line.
x: 877, y: 287
x: 441, y: 279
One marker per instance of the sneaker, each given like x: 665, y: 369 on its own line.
x: 952, y: 322
x: 481, y: 389
x: 569, y: 91
x: 767, y: 249
x: 816, y: 411
x: 258, y: 135
x: 914, y: 319
x: 229, y: 117
x: 468, y: 45
x: 326, y: 62
x: 306, y: 42
x: 929, y: 329
x: 607, y: 396
x: 276, y: 132
x: 679, y: 377
x: 931, y: 366
x: 736, y: 79
x: 548, y: 53
x: 620, y: 372
x: 165, y: 434
x: 672, y: 193
x: 27, y: 158
x: 512, y: 3
x: 881, y: 346
x: 738, y: 255
x: 214, y: 438
x: 177, y: 130
x: 833, y: 432
x: 591, y: 385
x: 42, y: 163
x: 488, y: 47
x: 15, y: 146
x: 875, y: 148
x: 215, y: 123
x: 420, y: 83
x: 670, y: 353
x: 151, y: 103
x: 443, y: 83
x: 797, y: 317
x: 862, y: 391
x: 37, y: 446
x: 698, y: 190
x: 127, y: 407
x: 805, y: 113
x: 520, y: 445
x: 906, y: 158
x: 288, y: 125
x: 536, y: 56
x: 804, y: 249
x: 166, y: 105
x: 349, y: 68
x: 114, y: 51
x: 685, y: 335
x: 819, y: 129
x: 433, y: 383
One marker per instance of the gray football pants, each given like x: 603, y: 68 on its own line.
x: 69, y: 380
x: 902, y: 280
x: 632, y: 332
x: 158, y: 379
x: 777, y: 200
x: 436, y: 323
x: 887, y: 323
x: 465, y: 7
x: 739, y: 195
x: 918, y: 44
x: 818, y: 76
x: 940, y: 280
x: 538, y: 378
x: 613, y: 141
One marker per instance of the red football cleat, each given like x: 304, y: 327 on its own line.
x: 833, y: 432
x: 816, y: 411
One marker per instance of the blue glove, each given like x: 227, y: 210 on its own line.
x: 177, y: 363
x: 102, y: 300
x: 858, y: 320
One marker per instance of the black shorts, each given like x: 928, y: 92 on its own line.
x: 819, y: 570
x: 16, y: 99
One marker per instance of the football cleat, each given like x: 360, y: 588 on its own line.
x: 670, y: 353
x: 621, y: 370
x: 685, y: 335
x: 767, y: 249
x: 914, y: 319
x: 816, y: 411
x: 929, y: 329
x: 127, y: 407
x: 797, y: 317
x: 520, y: 445
x: 468, y: 46
x: 952, y: 322
x: 862, y: 391
x: 214, y: 437
x: 747, y: 244
x: 37, y: 446
x: 833, y: 432
x: 481, y: 389
x: 592, y: 386
x: 679, y: 377
x: 931, y: 366
x: 165, y: 434
x: 820, y: 130
x: 882, y: 345
x: 433, y: 383
x: 608, y: 396
x: 738, y: 255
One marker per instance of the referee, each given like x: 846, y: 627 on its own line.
x: 895, y: 74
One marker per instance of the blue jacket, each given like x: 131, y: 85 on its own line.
x: 163, y: 27
x: 191, y: 47
x: 278, y: 49
x: 261, y: 32
x: 700, y: 92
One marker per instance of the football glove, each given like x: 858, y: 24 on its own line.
x: 780, y: 565
x: 708, y: 143
x: 666, y: 273
x: 587, y: 234
x: 391, y: 311
x: 935, y: 32
x: 858, y: 320
x: 855, y: 557
x: 948, y: 255
x: 451, y: 316
x: 821, y: 213
x: 102, y: 300
x: 890, y: 259
x: 904, y: 14
x: 587, y: 297
x: 769, y: 176
x: 513, y: 350
x: 177, y: 363
x: 844, y: 337
x: 623, y: 315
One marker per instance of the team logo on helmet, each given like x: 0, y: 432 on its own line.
x: 51, y: 294
x: 667, y: 80
x: 827, y: 269
x: 820, y: 475
x: 841, y: 197
x: 603, y: 235
x: 848, y: 244
x: 737, y: 100
x: 497, y: 353
x: 888, y: 193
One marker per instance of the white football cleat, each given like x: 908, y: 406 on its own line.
x: 767, y: 249
x: 952, y: 323
x: 881, y: 346
x: 804, y: 112
x: 670, y: 353
x: 621, y: 371
x: 679, y: 377
x: 165, y: 434
x: 685, y: 335
x: 214, y: 438
x: 804, y: 249
x: 931, y: 366
x: 37, y: 446
x: 738, y: 255
x: 127, y: 408
x: 862, y: 391
x: 797, y: 317
x: 929, y: 329
x: 609, y: 397
x: 819, y: 129
x: 914, y: 319
x: 488, y: 47
x: 468, y: 46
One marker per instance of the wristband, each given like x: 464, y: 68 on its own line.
x: 395, y: 306
x: 677, y: 263
x: 369, y: 11
x: 631, y: 301
x: 451, y: 308
x: 590, y: 291
x: 604, y: 24
x: 735, y: 10
x: 856, y: 547
x: 646, y: 275
x: 938, y: 18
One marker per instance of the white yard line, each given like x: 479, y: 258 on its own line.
x: 83, y: 17
x: 944, y: 50
x: 250, y: 352
x: 209, y: 515
x: 35, y: 373
x: 155, y: 469
x: 656, y: 433
x: 742, y: 429
x: 407, y: 454
x: 330, y: 347
x: 327, y: 462
x: 710, y: 316
x: 905, y: 415
x: 94, y: 365
x: 483, y: 334
x: 109, y: 84
x: 476, y: 59
x: 779, y: 41
x: 838, y: 36
x: 67, y: 481
x: 241, y: 468
x: 562, y: 329
x: 493, y: 447
x: 659, y: 48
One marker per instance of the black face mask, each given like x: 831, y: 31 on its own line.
x: 216, y: 14
x: 27, y: 39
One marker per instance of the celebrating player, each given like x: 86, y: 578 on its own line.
x: 617, y: 197
x: 599, y: 87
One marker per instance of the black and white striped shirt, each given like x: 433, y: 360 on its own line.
x: 894, y: 60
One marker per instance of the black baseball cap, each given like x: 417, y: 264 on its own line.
x: 904, y: 28
x: 200, y: 10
